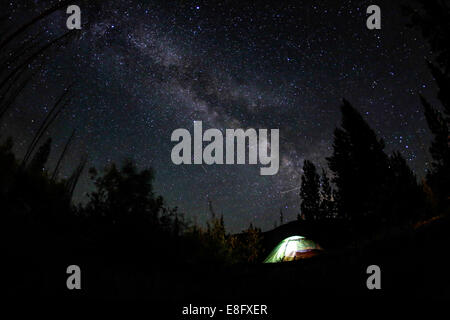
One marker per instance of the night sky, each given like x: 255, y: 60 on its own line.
x: 143, y: 69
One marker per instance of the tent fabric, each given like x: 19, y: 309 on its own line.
x: 292, y: 248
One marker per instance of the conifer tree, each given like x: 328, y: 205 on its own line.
x: 310, y: 191
x: 359, y: 165
x: 405, y: 197
x: 326, y: 195
x: 432, y: 20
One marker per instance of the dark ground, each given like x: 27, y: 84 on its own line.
x: 413, y: 265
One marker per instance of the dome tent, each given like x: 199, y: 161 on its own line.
x: 293, y: 248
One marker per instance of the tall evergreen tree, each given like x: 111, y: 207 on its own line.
x: 438, y: 176
x: 439, y: 123
x: 310, y: 191
x: 359, y: 165
x: 433, y: 21
x: 405, y: 196
x: 326, y: 195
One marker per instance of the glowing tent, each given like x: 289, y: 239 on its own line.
x: 293, y: 248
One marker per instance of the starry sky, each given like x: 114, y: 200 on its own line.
x: 142, y: 69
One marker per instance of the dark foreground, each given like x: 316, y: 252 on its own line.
x: 413, y: 265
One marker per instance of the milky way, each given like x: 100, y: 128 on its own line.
x: 144, y: 69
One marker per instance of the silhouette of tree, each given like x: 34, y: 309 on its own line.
x: 405, y: 197
x: 310, y: 191
x: 246, y: 247
x: 253, y: 244
x: 326, y: 194
x: 124, y: 194
x: 211, y: 209
x: 432, y: 19
x: 439, y: 124
x: 359, y: 165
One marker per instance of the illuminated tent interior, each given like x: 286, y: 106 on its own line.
x: 293, y: 248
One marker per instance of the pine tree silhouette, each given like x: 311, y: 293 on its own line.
x: 309, y: 191
x: 405, y: 196
x: 439, y: 124
x: 360, y: 167
x: 432, y: 20
x: 326, y: 195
